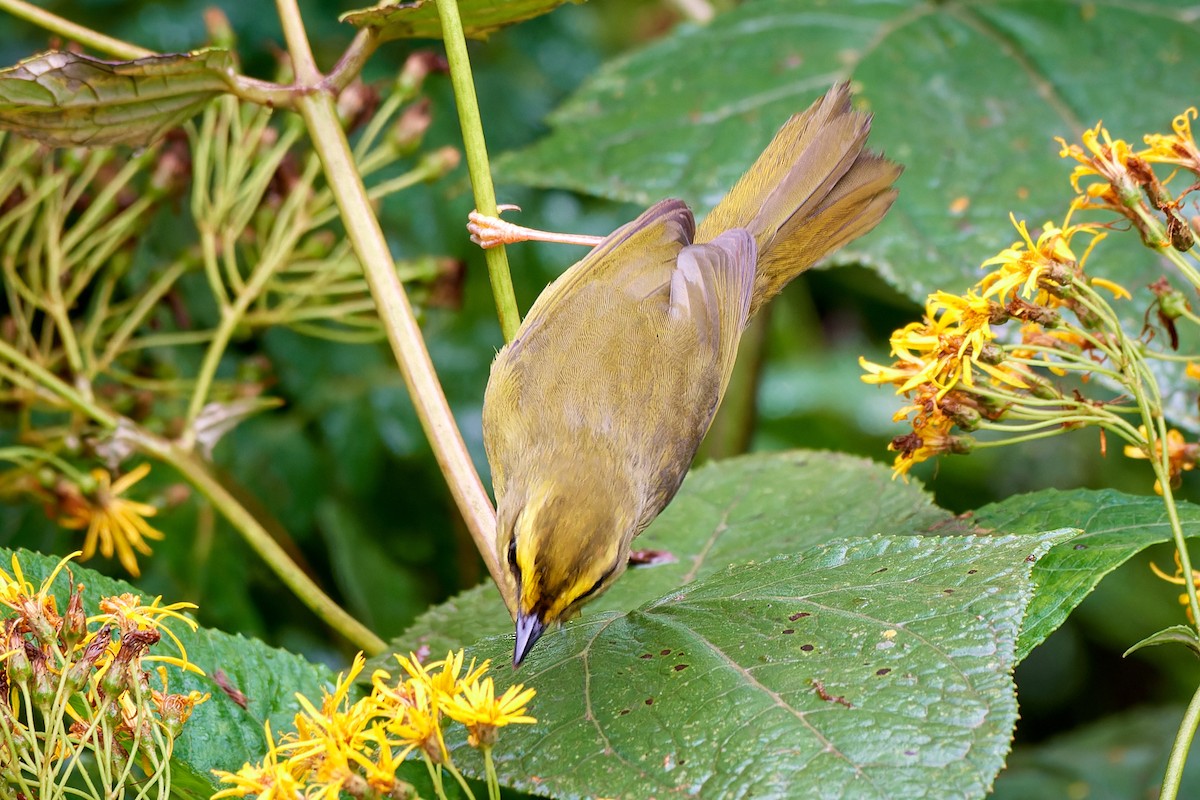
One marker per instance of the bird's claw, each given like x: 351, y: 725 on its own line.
x: 488, y: 232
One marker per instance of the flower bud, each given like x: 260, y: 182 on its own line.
x: 406, y: 134
x: 74, y: 624
x: 418, y: 65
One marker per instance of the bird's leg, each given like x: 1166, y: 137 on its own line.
x: 492, y: 231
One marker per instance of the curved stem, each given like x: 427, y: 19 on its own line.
x: 395, y: 311
x: 1179, y: 750
x: 194, y: 470
x: 477, y: 161
x: 70, y: 30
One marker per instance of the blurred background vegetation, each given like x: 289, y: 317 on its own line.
x: 343, y: 468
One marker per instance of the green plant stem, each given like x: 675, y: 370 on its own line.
x: 193, y: 469
x: 477, y: 161
x: 70, y: 30
x: 1179, y: 750
x: 395, y: 311
x: 59, y: 387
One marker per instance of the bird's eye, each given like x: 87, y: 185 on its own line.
x: 512, y: 556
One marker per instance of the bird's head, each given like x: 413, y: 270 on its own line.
x: 563, y: 547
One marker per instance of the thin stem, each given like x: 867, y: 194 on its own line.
x: 193, y: 469
x: 64, y: 390
x: 396, y: 313
x: 1179, y: 750
x: 70, y: 30
x: 477, y: 161
x: 350, y: 65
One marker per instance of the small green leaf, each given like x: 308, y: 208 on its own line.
x: 1116, y: 527
x: 68, y: 99
x: 418, y: 19
x: 728, y: 512
x: 220, y: 734
x: 1120, y: 757
x: 1176, y: 634
x: 873, y: 667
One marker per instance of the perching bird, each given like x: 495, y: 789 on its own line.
x: 594, y: 412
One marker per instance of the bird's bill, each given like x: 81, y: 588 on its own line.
x: 529, y: 629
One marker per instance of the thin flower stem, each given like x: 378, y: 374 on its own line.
x: 147, y: 302
x: 462, y: 782
x: 493, y: 781
x: 69, y: 394
x: 395, y: 311
x: 1179, y: 750
x: 70, y: 30
x: 19, y: 454
x: 477, y: 161
x: 1163, y: 474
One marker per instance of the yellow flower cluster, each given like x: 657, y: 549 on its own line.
x: 950, y: 364
x: 356, y: 746
x: 86, y: 678
x: 960, y: 376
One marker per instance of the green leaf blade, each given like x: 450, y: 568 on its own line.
x: 1116, y: 527
x: 970, y: 97
x: 876, y: 667
x: 67, y: 99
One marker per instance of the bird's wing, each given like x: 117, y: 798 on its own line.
x: 636, y: 257
x: 711, y: 289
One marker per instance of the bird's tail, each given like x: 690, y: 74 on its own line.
x: 813, y: 189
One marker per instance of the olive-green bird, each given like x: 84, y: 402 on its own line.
x: 595, y: 410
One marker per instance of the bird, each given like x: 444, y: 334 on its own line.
x: 593, y: 413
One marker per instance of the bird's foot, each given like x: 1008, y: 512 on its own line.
x: 487, y: 232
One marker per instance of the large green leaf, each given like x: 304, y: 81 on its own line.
x: 1116, y: 527
x: 1117, y: 758
x: 66, y: 99
x: 872, y: 667
x: 221, y: 734
x: 730, y: 512
x: 968, y: 95
x: 418, y: 19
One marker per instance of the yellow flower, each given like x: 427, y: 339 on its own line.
x: 442, y: 677
x: 36, y: 607
x: 269, y: 781
x: 128, y: 614
x: 417, y: 723
x: 337, y: 725
x: 930, y: 437
x: 1105, y: 158
x: 1179, y: 148
x: 1027, y: 268
x: 1181, y: 456
x: 483, y: 713
x: 1178, y: 579
x: 113, y: 521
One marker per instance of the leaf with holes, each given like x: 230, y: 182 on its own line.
x: 873, y: 667
x: 69, y: 99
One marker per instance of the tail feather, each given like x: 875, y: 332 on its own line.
x: 812, y: 190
